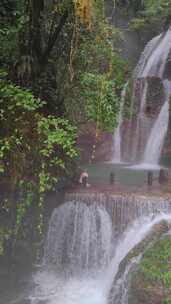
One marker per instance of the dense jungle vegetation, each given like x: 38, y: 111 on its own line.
x: 60, y: 67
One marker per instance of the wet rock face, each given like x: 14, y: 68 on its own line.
x: 167, y: 72
x: 143, y: 105
x: 128, y: 267
x: 87, y: 142
x: 135, y: 129
x: 147, y: 94
x: 151, y: 283
x: 147, y: 294
x: 124, y: 209
x: 154, y: 97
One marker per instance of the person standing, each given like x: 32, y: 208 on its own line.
x: 84, y: 179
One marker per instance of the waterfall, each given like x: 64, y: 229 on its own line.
x: 157, y: 60
x: 123, y: 209
x: 83, y: 238
x: 142, y: 139
x: 116, y: 149
x: 149, y: 49
x: 82, y: 254
x: 119, y: 294
x: 141, y: 120
x: 143, y: 100
x: 156, y: 139
x: 155, y: 66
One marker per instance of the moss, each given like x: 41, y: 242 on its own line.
x: 1, y: 246
x: 152, y: 282
x: 4, y: 234
x: 129, y: 107
x: 156, y: 263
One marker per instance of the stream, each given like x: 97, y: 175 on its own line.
x: 83, y: 252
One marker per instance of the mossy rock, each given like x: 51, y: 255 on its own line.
x: 129, y: 107
x: 151, y: 284
x: 156, y: 232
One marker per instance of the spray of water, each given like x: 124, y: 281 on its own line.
x: 143, y: 139
x: 156, y: 139
x: 116, y: 155
x: 88, y: 270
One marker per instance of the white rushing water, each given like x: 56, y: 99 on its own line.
x: 148, y: 50
x: 143, y: 139
x: 155, y: 142
x: 83, y: 238
x: 143, y: 99
x: 156, y: 139
x: 157, y: 60
x: 69, y: 275
x: 155, y: 65
x: 141, y: 120
x: 119, y: 294
x: 116, y: 155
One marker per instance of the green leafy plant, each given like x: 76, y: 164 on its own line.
x: 34, y: 149
x: 155, y: 265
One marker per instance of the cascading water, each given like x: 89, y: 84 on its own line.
x: 149, y: 49
x: 141, y: 121
x: 83, y: 241
x: 155, y: 65
x: 155, y: 142
x: 148, y: 127
x: 116, y: 150
x: 119, y: 293
x: 82, y: 254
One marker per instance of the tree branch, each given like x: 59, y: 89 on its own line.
x: 54, y: 37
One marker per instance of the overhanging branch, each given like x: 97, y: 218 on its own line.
x: 54, y: 37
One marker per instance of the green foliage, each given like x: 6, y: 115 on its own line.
x: 167, y: 301
x: 34, y: 149
x: 7, y: 44
x: 99, y: 76
x: 101, y: 100
x: 56, y: 131
x: 135, y: 5
x: 156, y: 14
x: 8, y: 9
x: 153, y: 7
x: 4, y: 235
x: 138, y: 24
x: 81, y: 49
x: 11, y: 21
x: 153, y: 276
x: 129, y: 105
x: 68, y: 59
x: 155, y: 265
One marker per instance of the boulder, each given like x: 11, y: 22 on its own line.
x: 152, y: 280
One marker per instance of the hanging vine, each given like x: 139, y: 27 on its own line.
x: 97, y: 134
x: 74, y: 46
x: 84, y: 10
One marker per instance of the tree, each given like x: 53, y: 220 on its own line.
x: 35, y: 151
